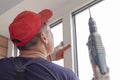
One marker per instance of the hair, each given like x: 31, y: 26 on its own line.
x: 34, y: 40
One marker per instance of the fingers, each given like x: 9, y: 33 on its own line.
x: 99, y: 76
x: 66, y: 47
x: 59, y: 51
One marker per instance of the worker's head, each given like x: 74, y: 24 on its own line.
x: 29, y: 28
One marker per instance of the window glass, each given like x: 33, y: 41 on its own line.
x: 106, y: 15
x: 82, y: 31
x: 58, y: 38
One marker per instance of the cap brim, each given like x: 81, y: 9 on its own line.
x: 46, y: 14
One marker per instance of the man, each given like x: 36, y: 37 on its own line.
x: 34, y: 39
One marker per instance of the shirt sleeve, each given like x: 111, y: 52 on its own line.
x: 70, y: 75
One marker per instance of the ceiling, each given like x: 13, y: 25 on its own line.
x: 5, y: 5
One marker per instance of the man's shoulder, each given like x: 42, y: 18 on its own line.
x: 61, y: 72
x: 6, y: 64
x: 5, y: 60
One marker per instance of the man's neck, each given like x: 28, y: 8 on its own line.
x: 33, y: 53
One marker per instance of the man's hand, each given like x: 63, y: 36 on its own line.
x: 99, y: 76
x: 58, y: 52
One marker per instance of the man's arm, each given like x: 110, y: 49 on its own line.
x: 58, y: 52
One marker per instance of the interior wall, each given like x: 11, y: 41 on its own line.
x: 70, y: 7
x: 3, y: 46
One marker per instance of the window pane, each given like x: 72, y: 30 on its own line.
x: 107, y: 17
x: 57, y: 33
x: 58, y: 37
x: 82, y: 31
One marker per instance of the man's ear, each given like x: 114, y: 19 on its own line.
x: 43, y: 37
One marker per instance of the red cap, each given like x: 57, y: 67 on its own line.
x: 26, y: 26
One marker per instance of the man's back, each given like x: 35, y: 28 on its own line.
x: 42, y: 70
